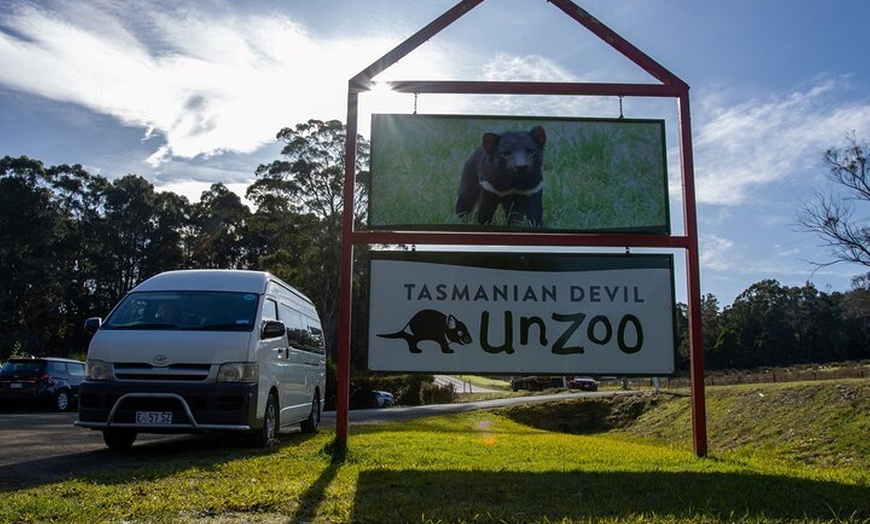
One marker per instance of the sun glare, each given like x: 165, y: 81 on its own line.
x: 382, y: 99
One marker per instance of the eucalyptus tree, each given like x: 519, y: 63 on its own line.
x: 305, y: 189
x: 856, y: 313
x: 840, y: 217
x: 218, y: 235
x: 754, y: 331
x: 139, y: 234
x: 79, y: 196
x: 710, y: 319
x: 30, y: 220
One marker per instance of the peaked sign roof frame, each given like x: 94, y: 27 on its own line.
x: 670, y: 86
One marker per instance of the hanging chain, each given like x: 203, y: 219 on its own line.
x: 415, y: 102
x: 622, y: 116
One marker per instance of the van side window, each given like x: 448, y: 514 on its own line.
x: 293, y: 322
x: 300, y: 330
x: 315, y: 337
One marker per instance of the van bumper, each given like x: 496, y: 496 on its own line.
x: 168, y: 408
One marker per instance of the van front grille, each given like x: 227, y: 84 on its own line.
x: 174, y: 372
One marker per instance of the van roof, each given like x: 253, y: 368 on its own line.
x: 209, y: 280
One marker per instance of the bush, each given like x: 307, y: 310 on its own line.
x: 437, y: 394
x: 405, y: 388
x: 409, y: 395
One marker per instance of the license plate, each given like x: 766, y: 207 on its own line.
x: 16, y: 385
x: 154, y: 418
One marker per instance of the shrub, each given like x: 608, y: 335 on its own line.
x: 437, y: 394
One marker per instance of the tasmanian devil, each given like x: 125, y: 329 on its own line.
x: 429, y: 324
x: 505, y: 170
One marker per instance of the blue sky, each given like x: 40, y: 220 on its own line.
x: 191, y: 93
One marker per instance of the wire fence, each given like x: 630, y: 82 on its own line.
x: 752, y: 376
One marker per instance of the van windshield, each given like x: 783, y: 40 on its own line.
x: 185, y: 310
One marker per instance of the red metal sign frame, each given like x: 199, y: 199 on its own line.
x: 670, y: 87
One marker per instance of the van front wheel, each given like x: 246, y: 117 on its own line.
x: 310, y: 424
x: 267, y: 436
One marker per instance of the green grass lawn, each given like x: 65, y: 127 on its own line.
x: 486, y: 382
x: 778, y: 453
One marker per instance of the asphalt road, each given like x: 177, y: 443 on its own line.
x: 38, y: 447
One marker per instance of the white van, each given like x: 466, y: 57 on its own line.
x: 195, y: 351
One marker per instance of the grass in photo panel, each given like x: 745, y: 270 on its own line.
x: 415, y: 170
x: 602, y: 176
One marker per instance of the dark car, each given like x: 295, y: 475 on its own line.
x: 50, y: 381
x: 583, y: 384
x: 537, y: 383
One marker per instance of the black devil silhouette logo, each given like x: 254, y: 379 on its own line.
x: 433, y: 325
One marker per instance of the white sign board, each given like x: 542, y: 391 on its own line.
x: 518, y: 313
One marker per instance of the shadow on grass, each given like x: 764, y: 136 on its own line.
x: 432, y: 496
x: 310, y: 500
x: 145, y: 460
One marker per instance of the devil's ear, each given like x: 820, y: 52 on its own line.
x: 539, y: 135
x: 490, y: 142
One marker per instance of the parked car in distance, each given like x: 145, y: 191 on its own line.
x: 384, y: 399
x: 537, y: 382
x: 583, y: 384
x: 48, y: 380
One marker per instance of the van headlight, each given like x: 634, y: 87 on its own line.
x: 238, y: 372
x: 96, y: 370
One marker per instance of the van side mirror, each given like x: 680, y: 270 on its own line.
x: 272, y: 329
x: 92, y: 325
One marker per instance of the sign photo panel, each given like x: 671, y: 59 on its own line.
x: 482, y: 173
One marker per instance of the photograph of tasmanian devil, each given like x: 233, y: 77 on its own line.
x: 505, y: 171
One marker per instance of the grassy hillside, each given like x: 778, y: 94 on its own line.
x: 816, y: 423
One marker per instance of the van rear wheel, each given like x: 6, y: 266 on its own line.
x: 119, y: 439
x: 310, y: 424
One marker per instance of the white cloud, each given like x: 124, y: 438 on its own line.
x: 741, y: 147
x: 716, y: 253
x: 193, y: 190
x: 529, y: 68
x: 204, y: 82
